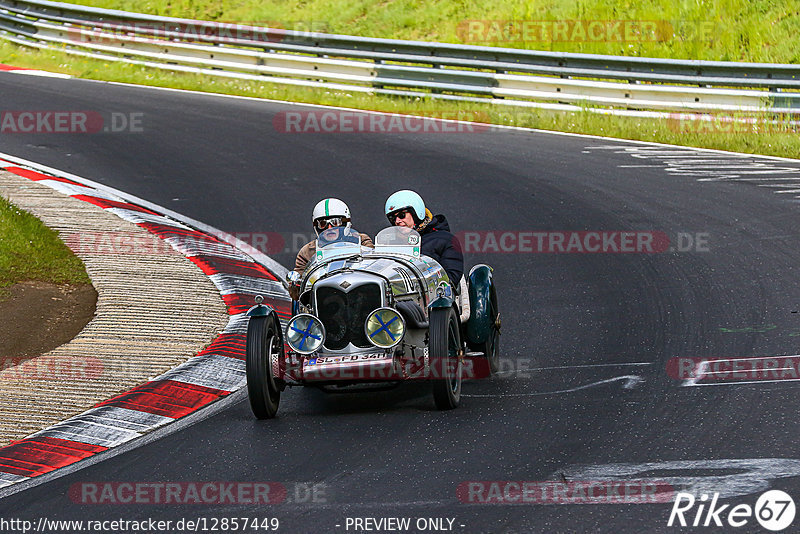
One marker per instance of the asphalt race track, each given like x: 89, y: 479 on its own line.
x: 589, y: 396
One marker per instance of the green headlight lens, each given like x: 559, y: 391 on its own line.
x: 385, y: 328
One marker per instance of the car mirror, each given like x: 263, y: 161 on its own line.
x: 293, y: 278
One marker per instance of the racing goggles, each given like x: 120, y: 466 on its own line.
x: 323, y: 222
x: 398, y: 213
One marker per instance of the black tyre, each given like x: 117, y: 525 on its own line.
x: 491, y: 348
x: 263, y: 341
x: 444, y: 346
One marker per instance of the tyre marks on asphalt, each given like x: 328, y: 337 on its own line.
x: 628, y: 382
x: 213, y: 373
x: 574, y: 377
x: 728, y: 477
x: 712, y: 166
x: 780, y: 175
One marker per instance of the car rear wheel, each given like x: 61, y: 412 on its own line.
x: 491, y: 347
x: 263, y: 342
x: 444, y: 347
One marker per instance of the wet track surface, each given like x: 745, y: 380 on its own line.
x: 588, y: 390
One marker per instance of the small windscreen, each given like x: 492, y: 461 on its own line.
x: 339, y: 234
x: 397, y: 236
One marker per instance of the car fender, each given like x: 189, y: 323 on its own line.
x: 441, y: 302
x: 264, y: 310
x: 482, y: 316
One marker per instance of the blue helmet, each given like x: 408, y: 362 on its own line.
x: 406, y: 199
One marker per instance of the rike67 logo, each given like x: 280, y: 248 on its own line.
x: 774, y: 510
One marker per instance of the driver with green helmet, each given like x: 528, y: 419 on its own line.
x: 328, y: 213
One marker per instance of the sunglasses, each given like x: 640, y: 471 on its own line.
x: 399, y: 213
x: 323, y: 223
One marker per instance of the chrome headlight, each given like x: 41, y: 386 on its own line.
x: 385, y: 328
x: 305, y: 333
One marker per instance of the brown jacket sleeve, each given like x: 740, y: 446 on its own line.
x: 305, y: 255
x: 366, y: 241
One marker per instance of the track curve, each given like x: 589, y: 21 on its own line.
x: 587, y: 342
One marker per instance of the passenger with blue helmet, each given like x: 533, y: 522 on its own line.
x: 406, y: 208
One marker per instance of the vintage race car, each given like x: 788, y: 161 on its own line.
x: 374, y: 317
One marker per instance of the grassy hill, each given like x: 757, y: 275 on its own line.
x: 31, y: 251
x: 725, y: 30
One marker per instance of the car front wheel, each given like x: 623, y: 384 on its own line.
x: 263, y: 342
x: 446, y: 366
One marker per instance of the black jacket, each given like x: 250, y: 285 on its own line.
x: 442, y: 246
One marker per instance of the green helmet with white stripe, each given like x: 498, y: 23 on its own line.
x: 330, y: 212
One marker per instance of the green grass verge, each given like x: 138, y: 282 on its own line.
x: 724, y: 30
x: 784, y: 143
x: 29, y: 250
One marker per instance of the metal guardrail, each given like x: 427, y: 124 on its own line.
x: 397, y: 67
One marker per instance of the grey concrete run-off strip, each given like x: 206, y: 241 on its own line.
x: 155, y: 310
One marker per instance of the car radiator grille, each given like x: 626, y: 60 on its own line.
x: 344, y: 314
